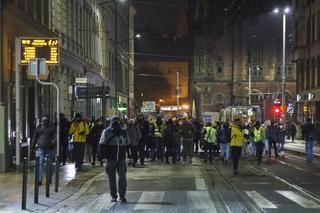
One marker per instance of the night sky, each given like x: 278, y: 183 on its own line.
x: 158, y: 15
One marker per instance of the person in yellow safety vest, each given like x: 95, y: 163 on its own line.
x: 259, y: 138
x: 211, y: 138
x: 79, y: 129
x: 158, y: 149
x: 237, y: 140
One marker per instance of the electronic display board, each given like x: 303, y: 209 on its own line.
x: 47, y: 48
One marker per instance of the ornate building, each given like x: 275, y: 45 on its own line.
x: 229, y: 38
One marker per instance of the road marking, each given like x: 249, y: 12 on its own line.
x: 200, y: 184
x: 99, y: 204
x: 150, y: 200
x: 260, y: 201
x: 200, y: 200
x: 293, y: 196
x: 298, y: 188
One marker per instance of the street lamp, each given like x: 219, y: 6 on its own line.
x: 285, y: 11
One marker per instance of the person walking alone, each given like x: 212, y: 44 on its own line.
x: 258, y: 139
x: 44, y: 140
x: 113, y: 144
x: 310, y: 135
x: 79, y: 129
x: 237, y: 141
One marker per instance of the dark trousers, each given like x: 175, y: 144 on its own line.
x: 142, y: 152
x: 63, y: 152
x: 216, y: 150
x: 171, y: 151
x: 94, y: 148
x: 134, y: 153
x: 259, y: 151
x: 209, y: 151
x: 159, y: 148
x: 112, y: 168
x: 235, y: 153
x: 78, y: 153
x: 196, y: 144
x: 274, y: 144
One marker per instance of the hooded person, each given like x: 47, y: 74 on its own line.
x: 44, y: 139
x: 113, y: 143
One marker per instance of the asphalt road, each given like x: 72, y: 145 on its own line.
x: 278, y: 185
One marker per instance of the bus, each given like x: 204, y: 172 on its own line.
x: 246, y: 113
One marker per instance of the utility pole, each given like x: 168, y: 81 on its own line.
x: 116, y: 53
x: 249, y: 86
x: 178, y: 92
x: 283, y: 82
x: 18, y: 102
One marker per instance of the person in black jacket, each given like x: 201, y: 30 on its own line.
x: 115, y: 143
x: 169, y: 140
x: 196, y: 134
x: 44, y: 139
x: 93, y: 139
x: 273, y: 135
x: 144, y: 142
x: 64, y: 134
x: 310, y: 134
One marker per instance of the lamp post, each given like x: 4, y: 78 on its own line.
x: 285, y: 11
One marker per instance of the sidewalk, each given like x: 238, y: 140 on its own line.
x: 298, y: 147
x: 70, y: 183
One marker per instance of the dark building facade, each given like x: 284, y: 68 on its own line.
x: 229, y: 38
x: 307, y: 58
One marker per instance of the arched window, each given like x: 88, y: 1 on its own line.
x: 219, y: 102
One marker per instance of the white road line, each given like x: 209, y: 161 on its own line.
x: 101, y: 203
x: 298, y: 188
x: 150, y: 200
x: 200, y: 184
x: 200, y: 200
x: 260, y: 201
x: 293, y: 196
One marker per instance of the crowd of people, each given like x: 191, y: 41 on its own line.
x: 172, y: 140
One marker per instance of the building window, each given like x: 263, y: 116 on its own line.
x: 179, y: 69
x: 169, y: 70
x: 318, y: 26
x: 219, y: 102
x: 313, y: 73
x: 313, y: 27
x: 220, y: 64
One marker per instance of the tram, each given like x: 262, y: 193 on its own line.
x: 247, y: 113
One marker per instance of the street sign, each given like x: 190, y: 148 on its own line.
x: 33, y: 67
x: 290, y: 110
x: 149, y: 106
x: 81, y: 80
x: 32, y: 70
x: 47, y: 48
x: 92, y: 92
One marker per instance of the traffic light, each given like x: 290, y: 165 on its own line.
x: 277, y: 110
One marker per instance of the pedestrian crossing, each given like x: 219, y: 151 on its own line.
x: 289, y: 196
x: 194, y: 201
x: 154, y: 201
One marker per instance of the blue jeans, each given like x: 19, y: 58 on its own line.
x: 309, y: 150
x: 43, y: 153
x: 224, y: 150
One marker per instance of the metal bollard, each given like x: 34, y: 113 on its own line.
x: 48, y: 159
x: 36, y: 180
x: 56, y: 188
x: 24, y: 183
